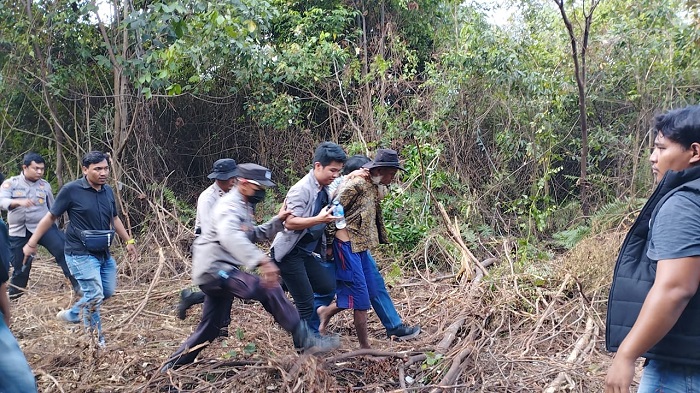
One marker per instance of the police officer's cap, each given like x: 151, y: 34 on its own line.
x: 256, y: 174
x: 223, y: 169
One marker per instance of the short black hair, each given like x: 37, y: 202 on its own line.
x: 32, y: 156
x: 355, y: 162
x: 680, y: 125
x: 2, y: 178
x: 94, y: 157
x: 328, y: 152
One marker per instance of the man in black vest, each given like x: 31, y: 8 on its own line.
x: 654, y: 305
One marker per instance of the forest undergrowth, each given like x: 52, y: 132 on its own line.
x: 515, y: 329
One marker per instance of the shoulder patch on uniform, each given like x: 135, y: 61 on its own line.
x: 6, y: 184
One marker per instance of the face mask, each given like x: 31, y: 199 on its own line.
x: 376, y: 179
x: 257, y: 196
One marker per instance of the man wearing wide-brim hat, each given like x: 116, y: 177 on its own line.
x: 223, y: 172
x: 359, y: 283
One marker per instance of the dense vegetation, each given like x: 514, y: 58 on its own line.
x: 487, y: 116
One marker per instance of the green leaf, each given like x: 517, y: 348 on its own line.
x: 249, y: 348
x: 251, y: 26
x: 174, y: 89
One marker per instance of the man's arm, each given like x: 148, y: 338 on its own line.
x: 297, y: 201
x: 676, y: 283
x: 6, y: 200
x: 295, y: 223
x: 46, y: 222
x: 124, y: 235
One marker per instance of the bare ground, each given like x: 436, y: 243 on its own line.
x: 521, y: 328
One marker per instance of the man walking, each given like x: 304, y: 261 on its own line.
x: 299, y: 247
x: 28, y: 198
x: 92, y: 211
x: 224, y: 175
x: 654, y: 304
x: 359, y: 282
x: 217, y: 255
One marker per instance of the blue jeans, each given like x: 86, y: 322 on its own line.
x: 15, y: 374
x: 98, y: 280
x: 380, y: 299
x: 664, y: 377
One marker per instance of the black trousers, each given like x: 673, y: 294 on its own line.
x: 305, y: 274
x: 54, y: 241
x: 218, y: 297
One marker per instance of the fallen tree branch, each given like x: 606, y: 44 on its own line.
x: 156, y: 276
x: 456, y: 366
x: 581, y: 343
x: 368, y: 352
x: 450, y: 334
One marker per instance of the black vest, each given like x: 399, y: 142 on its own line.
x: 635, y: 273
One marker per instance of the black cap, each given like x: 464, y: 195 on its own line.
x: 256, y: 174
x: 223, y: 169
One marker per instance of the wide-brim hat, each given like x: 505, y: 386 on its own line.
x: 385, y: 158
x: 223, y: 169
x: 256, y: 174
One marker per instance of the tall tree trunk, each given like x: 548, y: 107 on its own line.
x: 55, y: 123
x: 580, y: 73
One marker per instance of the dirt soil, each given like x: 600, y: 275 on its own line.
x: 521, y: 328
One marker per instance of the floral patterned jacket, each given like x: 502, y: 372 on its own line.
x: 363, y: 214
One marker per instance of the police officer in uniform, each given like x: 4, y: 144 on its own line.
x: 27, y: 198
x: 224, y: 174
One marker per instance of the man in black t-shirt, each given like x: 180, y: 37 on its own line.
x: 92, y: 212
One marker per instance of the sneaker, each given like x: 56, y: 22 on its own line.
x: 64, y: 315
x: 101, y: 343
x: 188, y: 298
x: 306, y: 341
x: 403, y: 332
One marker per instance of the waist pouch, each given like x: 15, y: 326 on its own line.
x: 97, y: 239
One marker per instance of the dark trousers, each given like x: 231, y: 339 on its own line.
x: 4, y: 247
x: 304, y: 274
x: 218, y: 297
x: 53, y: 240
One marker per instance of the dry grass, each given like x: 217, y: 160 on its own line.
x: 512, y: 331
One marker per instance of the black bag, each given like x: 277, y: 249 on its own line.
x: 97, y: 239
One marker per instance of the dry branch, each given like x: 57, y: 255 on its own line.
x: 581, y: 344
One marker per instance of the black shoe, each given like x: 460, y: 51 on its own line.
x: 223, y: 332
x: 403, y: 332
x: 14, y: 293
x: 167, y: 366
x: 306, y: 341
x: 188, y: 298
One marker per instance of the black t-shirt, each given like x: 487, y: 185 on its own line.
x: 87, y: 209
